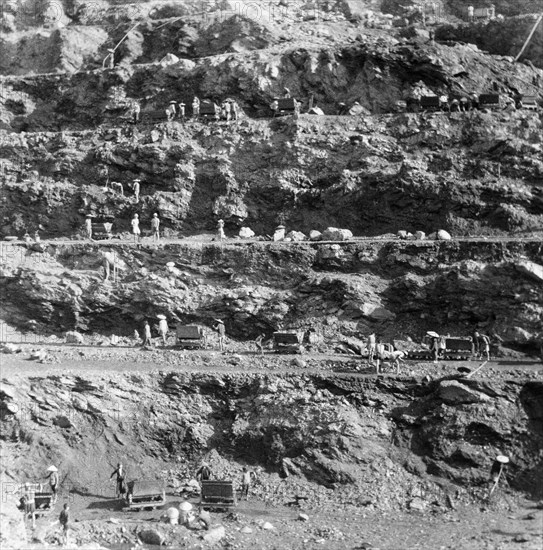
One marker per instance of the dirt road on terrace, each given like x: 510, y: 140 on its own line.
x: 103, y: 359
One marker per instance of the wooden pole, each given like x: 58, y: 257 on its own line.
x: 529, y: 36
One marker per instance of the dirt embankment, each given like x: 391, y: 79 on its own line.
x: 346, y: 441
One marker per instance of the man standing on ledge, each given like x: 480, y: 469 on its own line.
x: 219, y: 327
x: 155, y: 226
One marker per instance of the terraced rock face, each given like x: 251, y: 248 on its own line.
x: 397, y: 289
x: 338, y: 433
x: 469, y: 173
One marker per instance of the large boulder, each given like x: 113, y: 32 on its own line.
x: 533, y: 270
x: 169, y: 59
x: 74, y: 337
x: 246, y: 233
x: 335, y: 234
x: 455, y: 393
x: 279, y: 233
x: 443, y: 235
x: 315, y: 235
x: 296, y: 236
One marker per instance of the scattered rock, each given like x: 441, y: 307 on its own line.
x: 420, y: 235
x: 38, y: 355
x: 246, y: 530
x: 297, y: 362
x: 418, y: 504
x: 214, y: 535
x: 402, y: 234
x: 10, y: 348
x: 303, y: 517
x: 246, y: 233
x: 267, y: 526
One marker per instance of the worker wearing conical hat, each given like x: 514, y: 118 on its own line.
x: 53, y: 479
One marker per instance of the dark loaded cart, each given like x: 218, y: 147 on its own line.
x: 217, y: 495
x: 285, y: 106
x: 490, y: 101
x: 142, y: 495
x: 209, y: 110
x: 288, y: 342
x: 456, y: 348
x: 102, y: 228
x: 430, y: 103
x: 189, y: 337
x: 529, y: 102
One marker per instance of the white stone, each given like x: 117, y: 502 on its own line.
x: 169, y: 59
x: 532, y: 269
x: 215, y: 535
x: 296, y: 236
x: 335, y: 234
x: 279, y: 234
x: 246, y: 233
x: 315, y: 235
x: 420, y: 235
x: 443, y: 235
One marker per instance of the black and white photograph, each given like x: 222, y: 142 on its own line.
x: 271, y: 274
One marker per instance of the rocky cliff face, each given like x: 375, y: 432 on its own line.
x: 342, y: 433
x: 469, y: 173
x: 399, y: 289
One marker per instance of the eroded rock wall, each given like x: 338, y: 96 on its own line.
x: 395, y: 288
x: 374, y: 441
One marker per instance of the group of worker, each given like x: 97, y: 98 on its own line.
x: 27, y: 503
x: 163, y: 329
x: 228, y: 110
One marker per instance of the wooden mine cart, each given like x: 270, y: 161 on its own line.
x: 209, y: 110
x: 218, y: 495
x: 490, y: 101
x: 189, y: 337
x: 142, y: 495
x: 102, y: 228
x: 285, y: 106
x: 430, y: 103
x: 456, y: 348
x: 44, y: 501
x: 529, y: 102
x: 288, y: 342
